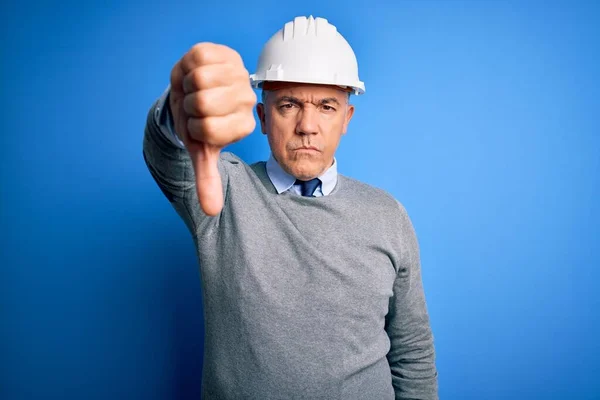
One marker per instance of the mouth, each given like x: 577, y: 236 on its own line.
x: 307, y: 148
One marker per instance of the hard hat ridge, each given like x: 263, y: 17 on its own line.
x: 310, y: 26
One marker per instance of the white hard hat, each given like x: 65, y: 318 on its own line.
x: 308, y: 50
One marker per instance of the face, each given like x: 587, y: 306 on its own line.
x: 304, y: 124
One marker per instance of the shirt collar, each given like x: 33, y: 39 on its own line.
x: 284, y: 181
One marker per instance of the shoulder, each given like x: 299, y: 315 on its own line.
x: 370, y: 194
x: 240, y: 171
x: 381, y: 207
x: 378, y: 202
x: 230, y: 158
x: 230, y: 163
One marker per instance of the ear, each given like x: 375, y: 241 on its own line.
x: 260, y: 110
x: 348, y: 117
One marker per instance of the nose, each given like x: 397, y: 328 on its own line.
x: 308, y: 121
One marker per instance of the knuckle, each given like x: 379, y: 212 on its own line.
x: 209, y: 53
x: 230, y: 55
x: 245, y: 124
x: 203, y: 102
x: 203, y: 129
x: 252, y: 98
x: 201, y: 78
x: 244, y: 74
x: 198, y: 54
x: 229, y: 70
x: 199, y: 48
x: 198, y: 79
x: 248, y: 98
x: 189, y: 104
x: 241, y: 76
x: 191, y: 81
x: 250, y: 124
x: 235, y: 56
x: 209, y: 129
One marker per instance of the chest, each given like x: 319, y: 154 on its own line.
x: 289, y: 261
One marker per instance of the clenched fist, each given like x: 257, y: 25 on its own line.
x: 212, y: 105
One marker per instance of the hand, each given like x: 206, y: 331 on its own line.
x: 211, y: 102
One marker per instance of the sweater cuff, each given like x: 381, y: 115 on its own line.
x: 164, y: 119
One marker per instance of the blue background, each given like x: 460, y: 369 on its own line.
x: 481, y: 117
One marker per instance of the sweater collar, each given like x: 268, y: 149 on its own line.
x: 284, y: 181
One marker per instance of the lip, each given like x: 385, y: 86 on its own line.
x: 307, y: 148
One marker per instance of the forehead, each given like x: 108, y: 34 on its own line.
x: 306, y: 91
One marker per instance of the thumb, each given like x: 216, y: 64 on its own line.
x: 208, y: 180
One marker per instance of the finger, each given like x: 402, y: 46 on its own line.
x: 177, y: 77
x: 208, y: 180
x: 217, y: 102
x: 209, y: 53
x: 237, y: 126
x: 176, y: 103
x: 214, y: 75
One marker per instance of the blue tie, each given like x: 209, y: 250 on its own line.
x: 308, y: 187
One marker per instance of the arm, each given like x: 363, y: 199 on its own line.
x: 208, y: 106
x: 164, y: 119
x: 412, y: 354
x: 170, y: 165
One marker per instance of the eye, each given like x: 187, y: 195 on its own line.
x: 287, y: 106
x: 325, y: 107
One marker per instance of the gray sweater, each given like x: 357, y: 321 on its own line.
x: 304, y: 298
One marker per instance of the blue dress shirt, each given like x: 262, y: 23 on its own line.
x: 281, y: 180
x: 284, y: 182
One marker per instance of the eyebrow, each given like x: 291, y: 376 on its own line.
x: 297, y: 101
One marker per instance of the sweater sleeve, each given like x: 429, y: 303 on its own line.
x: 412, y: 355
x: 171, y: 168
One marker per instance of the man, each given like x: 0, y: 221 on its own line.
x: 311, y: 280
